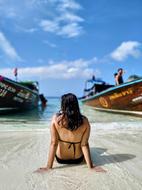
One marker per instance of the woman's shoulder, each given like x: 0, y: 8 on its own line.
x: 85, y: 122
x: 85, y: 119
x: 56, y: 118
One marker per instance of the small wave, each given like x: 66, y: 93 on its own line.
x: 117, y: 125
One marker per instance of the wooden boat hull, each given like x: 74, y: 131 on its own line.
x: 125, y: 98
x: 15, y: 96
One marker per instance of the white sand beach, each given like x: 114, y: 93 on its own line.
x: 119, y: 151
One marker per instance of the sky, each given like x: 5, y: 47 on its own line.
x: 62, y: 43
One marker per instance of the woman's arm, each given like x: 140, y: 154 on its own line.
x: 85, y: 145
x: 53, y: 147
x: 86, y: 149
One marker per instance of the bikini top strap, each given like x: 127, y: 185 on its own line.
x: 71, y: 144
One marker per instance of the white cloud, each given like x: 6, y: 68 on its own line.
x: 70, y: 17
x: 129, y: 48
x: 65, y: 21
x: 62, y: 70
x: 69, y: 4
x: 50, y: 44
x: 49, y: 15
x: 26, y: 30
x: 49, y: 26
x: 7, y: 48
x: 70, y: 30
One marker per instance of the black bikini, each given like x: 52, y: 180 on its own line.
x: 70, y: 161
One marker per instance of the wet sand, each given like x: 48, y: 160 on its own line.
x: 119, y: 151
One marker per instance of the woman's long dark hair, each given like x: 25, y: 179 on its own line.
x: 71, y: 111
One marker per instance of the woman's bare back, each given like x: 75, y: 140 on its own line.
x: 69, y: 142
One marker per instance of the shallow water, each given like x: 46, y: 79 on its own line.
x: 39, y: 119
x: 115, y: 144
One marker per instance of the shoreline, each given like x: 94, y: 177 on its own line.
x: 116, y: 150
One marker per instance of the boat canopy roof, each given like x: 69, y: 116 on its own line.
x: 95, y: 80
x: 33, y: 85
x: 95, y: 85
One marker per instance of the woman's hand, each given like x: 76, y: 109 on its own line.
x: 42, y: 169
x: 98, y: 169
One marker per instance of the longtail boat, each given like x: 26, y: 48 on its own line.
x: 16, y: 96
x: 125, y: 98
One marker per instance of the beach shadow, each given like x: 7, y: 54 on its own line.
x: 101, y: 157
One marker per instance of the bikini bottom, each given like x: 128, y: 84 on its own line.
x: 70, y: 161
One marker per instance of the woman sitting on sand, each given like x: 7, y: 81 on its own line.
x: 70, y: 133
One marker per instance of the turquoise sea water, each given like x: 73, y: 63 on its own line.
x: 39, y: 119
